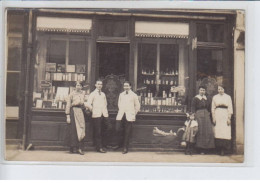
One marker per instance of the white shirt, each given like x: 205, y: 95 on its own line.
x: 98, y: 102
x: 129, y: 105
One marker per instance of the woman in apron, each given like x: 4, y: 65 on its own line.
x: 75, y: 119
x: 222, y: 111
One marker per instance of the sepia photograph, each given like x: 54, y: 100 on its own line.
x: 118, y: 85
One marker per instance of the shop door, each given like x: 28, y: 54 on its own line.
x: 113, y: 69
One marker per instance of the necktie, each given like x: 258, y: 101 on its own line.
x: 126, y: 92
x: 99, y: 92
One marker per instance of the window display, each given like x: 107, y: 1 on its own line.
x: 158, y: 78
x: 57, y: 70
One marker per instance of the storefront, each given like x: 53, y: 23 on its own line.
x: 165, y: 55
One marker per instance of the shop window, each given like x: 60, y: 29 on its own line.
x: 210, y: 69
x: 113, y: 28
x: 59, y: 64
x: 210, y: 32
x: 157, y: 80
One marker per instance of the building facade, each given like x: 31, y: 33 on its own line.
x: 165, y: 54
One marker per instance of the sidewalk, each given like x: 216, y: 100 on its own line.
x: 13, y: 154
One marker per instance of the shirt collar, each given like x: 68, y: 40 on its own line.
x: 97, y: 91
x: 128, y: 92
x: 201, y: 97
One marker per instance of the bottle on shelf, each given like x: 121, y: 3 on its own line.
x: 166, y: 82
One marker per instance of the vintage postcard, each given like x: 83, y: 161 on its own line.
x: 164, y: 85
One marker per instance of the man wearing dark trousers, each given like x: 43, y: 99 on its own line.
x: 97, y: 103
x: 128, y: 105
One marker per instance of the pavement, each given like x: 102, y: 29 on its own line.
x: 14, y: 154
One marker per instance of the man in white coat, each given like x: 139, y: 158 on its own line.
x: 97, y: 103
x: 129, y: 106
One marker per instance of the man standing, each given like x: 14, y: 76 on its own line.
x: 128, y: 105
x: 97, y: 103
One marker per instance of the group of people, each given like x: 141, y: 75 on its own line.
x: 208, y: 130
x: 208, y: 126
x: 97, y: 104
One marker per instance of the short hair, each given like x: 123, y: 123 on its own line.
x: 128, y: 82
x: 99, y: 80
x: 201, y: 86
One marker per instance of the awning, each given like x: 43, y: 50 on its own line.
x: 56, y: 24
x: 161, y: 29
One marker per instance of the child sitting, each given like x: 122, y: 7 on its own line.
x: 190, y: 131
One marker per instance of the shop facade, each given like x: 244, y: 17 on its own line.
x: 166, y: 55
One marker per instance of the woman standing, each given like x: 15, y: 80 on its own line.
x: 201, y: 106
x: 75, y: 119
x: 222, y: 111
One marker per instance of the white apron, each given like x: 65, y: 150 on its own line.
x: 222, y: 130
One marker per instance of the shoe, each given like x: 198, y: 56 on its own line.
x: 115, y: 147
x: 80, y: 152
x: 125, y: 150
x: 102, y: 150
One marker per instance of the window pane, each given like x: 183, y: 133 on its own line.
x: 77, y: 52
x: 12, y: 89
x: 168, y: 67
x: 14, y: 54
x: 168, y: 58
x: 147, y: 54
x: 15, y: 23
x: 210, y: 32
x: 111, y: 28
x: 57, y: 51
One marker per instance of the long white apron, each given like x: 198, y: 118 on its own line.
x: 222, y: 130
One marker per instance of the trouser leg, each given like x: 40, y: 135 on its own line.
x: 106, y: 131
x: 97, y: 132
x: 127, y: 135
x: 119, y: 133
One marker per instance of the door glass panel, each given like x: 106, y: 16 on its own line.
x: 210, y: 69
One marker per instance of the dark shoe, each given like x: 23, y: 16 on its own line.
x: 125, y: 150
x: 113, y: 147
x: 102, y: 150
x: 80, y: 152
